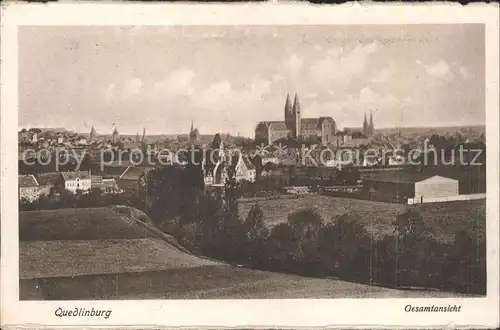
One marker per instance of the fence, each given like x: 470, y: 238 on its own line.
x: 423, y: 199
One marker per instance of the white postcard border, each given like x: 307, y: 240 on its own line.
x: 237, y: 313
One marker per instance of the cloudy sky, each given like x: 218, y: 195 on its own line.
x: 227, y: 79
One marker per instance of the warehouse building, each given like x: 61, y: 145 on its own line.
x: 399, y: 186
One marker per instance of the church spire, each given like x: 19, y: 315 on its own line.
x: 365, y: 126
x: 92, y: 134
x: 296, y: 117
x: 143, y: 134
x: 192, y: 126
x: 288, y: 111
x: 371, y: 129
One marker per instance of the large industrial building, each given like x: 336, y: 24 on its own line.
x: 399, y: 186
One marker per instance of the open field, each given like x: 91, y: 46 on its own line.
x: 206, y: 283
x: 78, y: 224
x: 99, y: 253
x: 377, y: 217
x: 89, y: 257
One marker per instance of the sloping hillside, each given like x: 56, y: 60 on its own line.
x: 107, y: 253
x: 377, y: 217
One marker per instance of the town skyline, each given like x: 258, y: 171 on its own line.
x: 97, y: 76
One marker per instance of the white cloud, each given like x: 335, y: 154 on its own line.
x: 311, y: 95
x: 216, y: 92
x: 385, y: 74
x: 349, y: 111
x: 292, y: 65
x: 179, y: 82
x: 276, y: 77
x: 131, y: 87
x: 109, y: 94
x: 335, y: 51
x: 340, y: 66
x: 464, y: 73
x: 439, y: 70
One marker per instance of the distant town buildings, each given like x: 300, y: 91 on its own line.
x: 321, y: 129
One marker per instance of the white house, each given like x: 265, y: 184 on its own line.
x: 244, y: 169
x: 77, y: 181
x: 34, y: 138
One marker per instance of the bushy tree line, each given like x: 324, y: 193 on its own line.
x: 208, y: 223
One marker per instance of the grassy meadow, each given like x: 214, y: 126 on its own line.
x: 377, y: 217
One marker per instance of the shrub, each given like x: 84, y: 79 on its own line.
x: 466, y: 267
x: 344, y: 246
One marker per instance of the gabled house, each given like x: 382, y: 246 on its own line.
x: 28, y: 187
x: 244, y: 169
x: 77, y: 181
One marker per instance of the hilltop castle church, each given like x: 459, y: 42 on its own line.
x: 321, y: 129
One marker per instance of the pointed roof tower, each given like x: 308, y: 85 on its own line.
x: 365, y: 126
x: 288, y: 107
x: 370, y: 125
x: 92, y: 133
x: 192, y: 126
x: 296, y: 102
x: 143, y: 134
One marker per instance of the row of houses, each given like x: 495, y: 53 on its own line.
x: 33, y: 186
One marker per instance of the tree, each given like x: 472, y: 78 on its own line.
x: 410, y: 226
x: 344, y: 245
x: 283, y: 244
x: 254, y: 224
x: 164, y: 192
x: 306, y: 222
x: 414, y: 240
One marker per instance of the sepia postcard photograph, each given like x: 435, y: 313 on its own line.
x: 256, y: 165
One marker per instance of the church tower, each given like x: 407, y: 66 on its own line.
x: 371, y: 129
x: 194, y: 134
x: 115, y: 136
x: 92, y: 134
x: 288, y: 113
x: 296, y: 117
x: 365, y: 126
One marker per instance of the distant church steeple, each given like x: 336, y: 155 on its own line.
x: 371, y: 129
x: 365, y: 126
x: 288, y: 112
x: 115, y: 135
x: 194, y: 134
x: 143, y: 134
x: 296, y: 117
x: 92, y: 134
